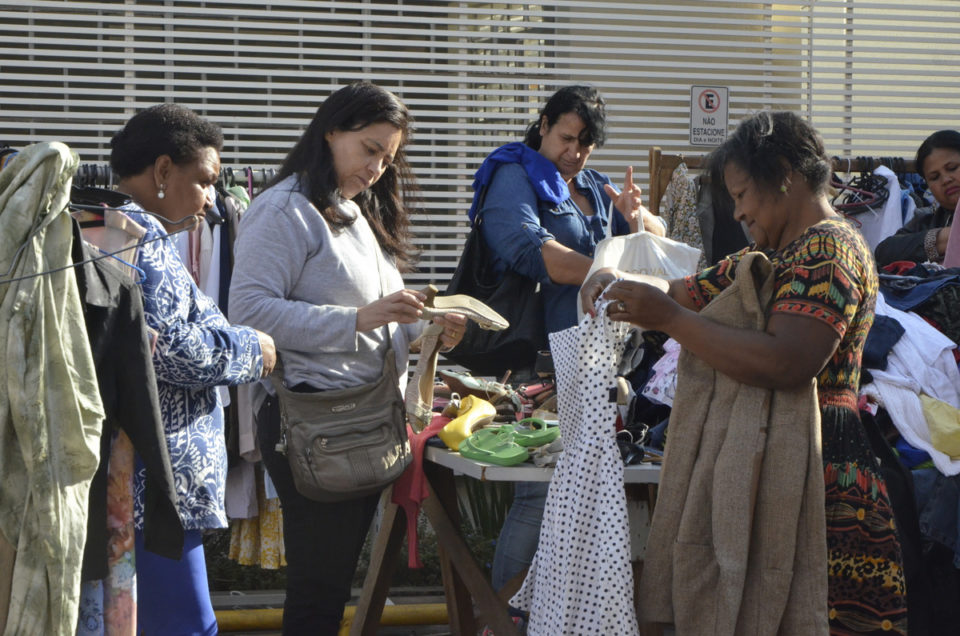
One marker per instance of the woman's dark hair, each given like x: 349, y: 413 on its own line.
x: 586, y: 102
x: 353, y: 107
x: 942, y: 139
x: 767, y: 146
x: 164, y: 129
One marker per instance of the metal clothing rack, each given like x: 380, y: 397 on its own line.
x: 662, y: 165
x: 253, y: 179
x: 101, y: 176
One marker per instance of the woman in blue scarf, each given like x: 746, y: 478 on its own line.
x: 543, y: 214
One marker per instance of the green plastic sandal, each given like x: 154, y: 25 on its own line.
x: 494, y: 446
x: 533, y: 431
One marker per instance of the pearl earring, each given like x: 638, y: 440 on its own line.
x: 783, y: 188
x: 161, y: 193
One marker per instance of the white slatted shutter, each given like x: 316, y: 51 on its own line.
x: 875, y: 76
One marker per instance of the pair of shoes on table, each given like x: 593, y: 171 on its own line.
x: 533, y: 431
x: 547, y: 410
x: 495, y: 445
x: 547, y: 455
x: 508, y: 445
x: 466, y: 384
x: 472, y: 413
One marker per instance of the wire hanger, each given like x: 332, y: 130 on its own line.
x: 141, y: 275
x: 4, y: 280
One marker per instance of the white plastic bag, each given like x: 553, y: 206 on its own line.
x: 644, y: 253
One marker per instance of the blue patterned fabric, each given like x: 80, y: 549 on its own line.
x: 90, y: 610
x: 196, y: 350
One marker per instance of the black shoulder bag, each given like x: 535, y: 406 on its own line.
x: 515, y: 297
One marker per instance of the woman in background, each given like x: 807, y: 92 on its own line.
x: 924, y: 237
x: 167, y: 158
x: 543, y: 213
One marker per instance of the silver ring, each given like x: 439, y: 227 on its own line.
x: 621, y: 307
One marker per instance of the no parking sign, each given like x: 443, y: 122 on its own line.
x: 709, y: 109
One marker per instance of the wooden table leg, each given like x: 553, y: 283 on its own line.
x: 383, y: 562
x: 462, y: 577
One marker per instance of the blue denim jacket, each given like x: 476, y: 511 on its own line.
x: 515, y: 224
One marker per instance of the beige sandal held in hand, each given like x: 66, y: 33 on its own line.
x: 418, y: 398
x: 473, y: 309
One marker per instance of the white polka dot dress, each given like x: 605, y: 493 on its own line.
x: 580, y: 581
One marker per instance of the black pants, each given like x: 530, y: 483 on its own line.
x: 322, y: 541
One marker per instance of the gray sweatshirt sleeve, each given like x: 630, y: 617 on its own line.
x: 277, y: 236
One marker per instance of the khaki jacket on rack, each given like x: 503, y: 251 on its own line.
x: 738, y: 540
x: 50, y: 408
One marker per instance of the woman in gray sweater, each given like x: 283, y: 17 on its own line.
x: 319, y: 258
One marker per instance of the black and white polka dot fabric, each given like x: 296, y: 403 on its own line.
x: 580, y: 581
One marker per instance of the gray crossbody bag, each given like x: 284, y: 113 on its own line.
x: 345, y: 443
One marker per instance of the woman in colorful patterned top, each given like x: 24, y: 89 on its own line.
x: 166, y: 158
x: 776, y: 170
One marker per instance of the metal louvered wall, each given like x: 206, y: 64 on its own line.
x: 875, y: 76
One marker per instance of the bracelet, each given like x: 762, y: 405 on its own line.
x: 930, y: 245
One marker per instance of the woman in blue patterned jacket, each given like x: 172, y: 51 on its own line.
x: 167, y: 158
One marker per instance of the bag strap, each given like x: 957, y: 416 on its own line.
x: 608, y: 228
x: 379, y: 257
x: 276, y: 376
x: 480, y: 196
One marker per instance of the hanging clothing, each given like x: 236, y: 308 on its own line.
x: 120, y: 586
x: 258, y: 540
x: 738, y: 539
x: 580, y: 581
x: 827, y: 274
x: 680, y: 212
x: 108, y: 607
x: 50, y: 407
x: 883, y: 220
x: 113, y: 314
x: 721, y: 234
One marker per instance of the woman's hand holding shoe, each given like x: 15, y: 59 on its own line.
x: 454, y: 325
x: 404, y: 306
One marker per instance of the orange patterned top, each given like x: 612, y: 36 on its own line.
x: 828, y: 274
